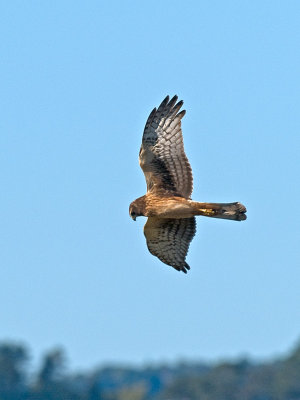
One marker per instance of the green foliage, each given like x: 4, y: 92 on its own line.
x: 278, y: 380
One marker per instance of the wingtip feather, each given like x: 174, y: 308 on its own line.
x: 185, y: 268
x: 173, y: 101
x: 163, y: 103
x: 181, y: 114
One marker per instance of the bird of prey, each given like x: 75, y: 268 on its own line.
x: 171, y: 223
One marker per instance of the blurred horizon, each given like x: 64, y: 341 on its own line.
x: 276, y: 379
x: 35, y: 357
x: 35, y: 360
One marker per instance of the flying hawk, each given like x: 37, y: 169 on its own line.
x: 171, y: 223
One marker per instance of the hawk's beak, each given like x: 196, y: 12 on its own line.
x: 133, y: 216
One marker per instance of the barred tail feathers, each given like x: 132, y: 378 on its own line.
x: 232, y: 211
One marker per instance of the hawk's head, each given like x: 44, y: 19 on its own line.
x: 135, y: 210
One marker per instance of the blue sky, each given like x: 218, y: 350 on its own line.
x: 78, y: 80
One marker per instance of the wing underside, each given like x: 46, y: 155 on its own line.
x: 162, y: 157
x: 169, y: 240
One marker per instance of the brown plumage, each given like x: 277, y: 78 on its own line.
x: 167, y: 204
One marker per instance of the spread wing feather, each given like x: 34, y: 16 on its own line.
x: 162, y: 157
x: 169, y: 239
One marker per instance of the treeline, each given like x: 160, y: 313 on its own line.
x: 277, y: 380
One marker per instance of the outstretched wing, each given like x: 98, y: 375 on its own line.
x: 169, y: 239
x: 162, y: 157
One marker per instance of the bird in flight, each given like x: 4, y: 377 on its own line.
x: 171, y: 223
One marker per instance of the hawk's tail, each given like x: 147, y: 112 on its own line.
x: 234, y: 211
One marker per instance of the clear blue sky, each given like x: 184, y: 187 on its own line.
x: 78, y: 80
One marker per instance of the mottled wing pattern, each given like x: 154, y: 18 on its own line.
x: 169, y: 239
x: 162, y: 156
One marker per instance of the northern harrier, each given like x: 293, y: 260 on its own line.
x: 171, y: 223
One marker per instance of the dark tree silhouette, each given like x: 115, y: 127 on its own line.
x: 13, y: 358
x: 53, y: 367
x: 277, y: 380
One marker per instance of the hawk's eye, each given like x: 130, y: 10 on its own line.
x: 133, y: 213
